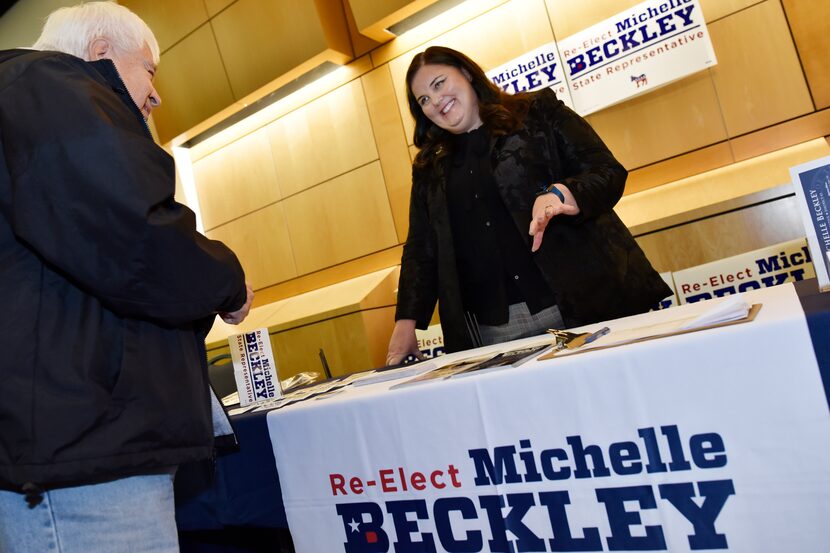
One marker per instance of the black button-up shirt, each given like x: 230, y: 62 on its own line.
x: 495, y: 265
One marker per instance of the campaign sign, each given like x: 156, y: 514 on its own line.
x: 431, y: 341
x: 670, y: 300
x: 761, y: 268
x: 708, y: 441
x: 650, y: 45
x: 811, y: 182
x: 254, y: 367
x: 535, y: 70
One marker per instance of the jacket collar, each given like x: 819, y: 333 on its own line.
x: 106, y: 68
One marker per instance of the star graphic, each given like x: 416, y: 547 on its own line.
x: 353, y: 525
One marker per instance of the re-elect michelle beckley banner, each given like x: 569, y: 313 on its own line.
x: 535, y: 70
x: 710, y: 441
x: 650, y: 45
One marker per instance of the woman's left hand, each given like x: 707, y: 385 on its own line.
x: 545, y: 208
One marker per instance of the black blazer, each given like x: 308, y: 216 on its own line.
x: 591, y: 261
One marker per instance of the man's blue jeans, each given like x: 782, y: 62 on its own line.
x: 133, y: 514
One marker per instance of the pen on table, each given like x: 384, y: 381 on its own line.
x: 598, y: 334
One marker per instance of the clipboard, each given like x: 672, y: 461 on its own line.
x: 750, y: 316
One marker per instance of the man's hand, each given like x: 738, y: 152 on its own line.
x: 239, y: 315
x: 403, y: 342
x: 545, y: 208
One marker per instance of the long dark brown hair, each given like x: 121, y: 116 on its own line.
x: 500, y: 112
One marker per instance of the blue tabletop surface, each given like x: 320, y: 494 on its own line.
x: 244, y: 489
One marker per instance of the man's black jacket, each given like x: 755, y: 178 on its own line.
x: 106, y: 287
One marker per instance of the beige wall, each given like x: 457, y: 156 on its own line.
x: 22, y: 23
x: 316, y: 191
x: 221, y: 55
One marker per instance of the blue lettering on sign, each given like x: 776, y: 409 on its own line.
x: 501, y: 517
x: 632, y: 38
x: 504, y: 466
x: 772, y: 271
x: 621, y: 519
x: 529, y: 75
x: 703, y: 516
x: 783, y: 261
x: 699, y: 503
x: 773, y: 280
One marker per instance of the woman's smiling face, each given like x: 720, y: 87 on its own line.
x: 447, y: 98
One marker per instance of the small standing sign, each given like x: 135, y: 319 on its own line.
x: 254, y: 367
x: 811, y: 182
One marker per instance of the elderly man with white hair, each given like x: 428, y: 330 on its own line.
x: 107, y: 290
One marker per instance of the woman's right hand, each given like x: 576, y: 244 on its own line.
x: 403, y: 342
x: 545, y: 208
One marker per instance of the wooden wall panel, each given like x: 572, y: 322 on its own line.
x: 332, y: 17
x: 331, y: 275
x: 810, y: 28
x: 378, y: 325
x: 257, y: 318
x: 236, y: 180
x: 723, y: 236
x: 501, y: 34
x: 365, y: 292
x: 676, y: 168
x: 392, y: 144
x: 350, y: 344
x: 511, y: 29
x: 758, y: 76
x: 216, y: 6
x: 569, y: 17
x: 278, y: 36
x: 372, y: 17
x: 339, y: 220
x: 677, y: 118
x: 719, y: 185
x: 170, y: 20
x: 716, y: 9
x: 436, y: 27
x: 368, y: 12
x: 297, y: 350
x: 261, y: 242
x: 292, y: 102
x: 361, y: 44
x: 192, y: 84
x: 783, y: 135
x: 323, y: 139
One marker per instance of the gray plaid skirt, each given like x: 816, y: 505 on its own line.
x: 520, y: 324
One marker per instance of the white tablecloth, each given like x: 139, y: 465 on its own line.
x: 715, y: 440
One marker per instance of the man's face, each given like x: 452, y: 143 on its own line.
x: 137, y: 71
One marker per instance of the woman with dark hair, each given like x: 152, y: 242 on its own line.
x: 511, y: 222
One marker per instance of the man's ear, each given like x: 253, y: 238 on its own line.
x: 99, y: 49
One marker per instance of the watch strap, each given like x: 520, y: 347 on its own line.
x: 551, y: 189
